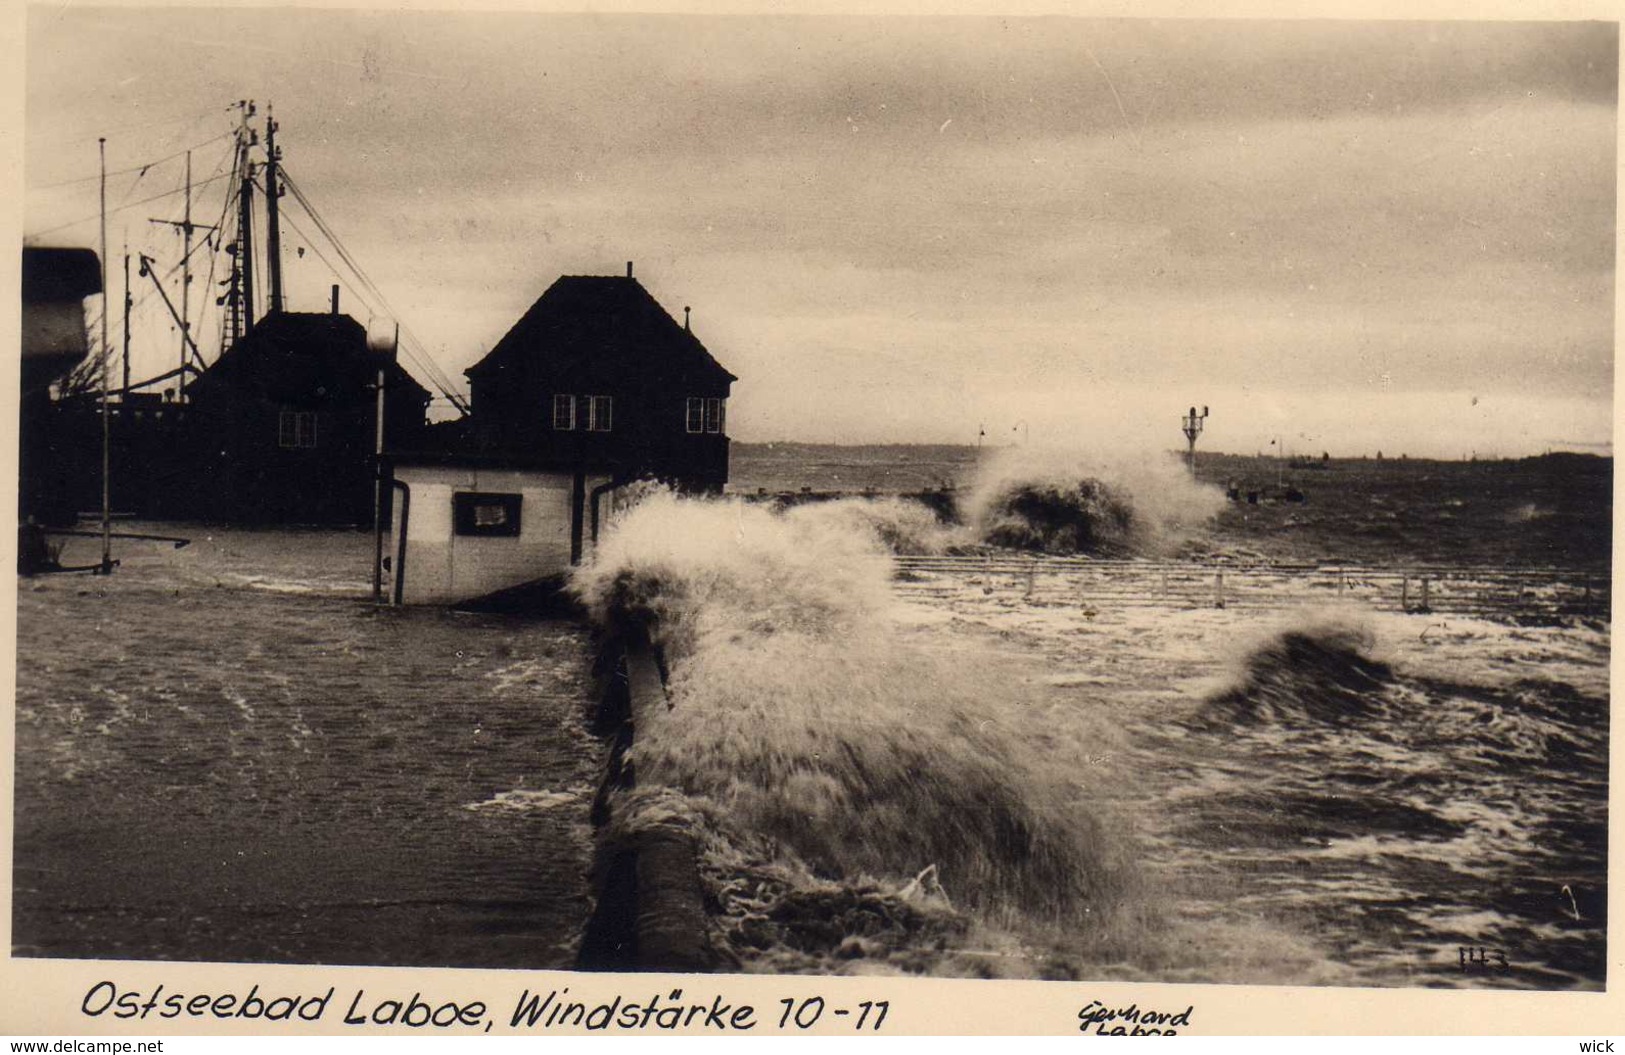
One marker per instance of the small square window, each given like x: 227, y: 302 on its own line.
x: 564, y: 413
x: 481, y: 513
x: 296, y: 428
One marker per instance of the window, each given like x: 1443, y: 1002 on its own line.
x: 598, y: 412
x: 564, y: 413
x: 485, y: 513
x: 713, y: 415
x: 297, y: 428
x: 696, y: 414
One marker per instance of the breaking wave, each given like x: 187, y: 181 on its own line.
x: 1066, y: 503
x: 808, y: 732
x: 1320, y: 672
x: 902, y: 525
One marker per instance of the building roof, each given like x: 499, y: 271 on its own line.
x: 585, y: 319
x: 291, y: 354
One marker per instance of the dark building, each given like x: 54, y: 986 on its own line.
x: 55, y: 284
x: 282, y: 427
x: 596, y: 374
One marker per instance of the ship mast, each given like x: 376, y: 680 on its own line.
x: 273, y: 233
x: 245, y: 224
x: 186, y: 282
x: 183, y: 317
x: 128, y: 304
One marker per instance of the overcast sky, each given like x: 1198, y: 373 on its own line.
x: 1354, y: 236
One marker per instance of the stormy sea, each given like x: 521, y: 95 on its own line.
x: 901, y: 755
x: 1009, y: 715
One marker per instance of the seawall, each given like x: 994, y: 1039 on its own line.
x: 650, y: 913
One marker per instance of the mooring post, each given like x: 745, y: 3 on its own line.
x: 1218, y: 589
x: 1404, y: 593
x: 1426, y: 607
x: 1032, y: 576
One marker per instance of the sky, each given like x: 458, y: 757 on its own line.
x: 1338, y: 236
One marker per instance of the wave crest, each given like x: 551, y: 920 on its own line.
x: 1067, y: 502
x: 802, y: 715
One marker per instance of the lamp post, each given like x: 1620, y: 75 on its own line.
x: 382, y: 343
x: 1193, y: 428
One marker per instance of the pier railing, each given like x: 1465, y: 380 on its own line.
x: 1531, y: 593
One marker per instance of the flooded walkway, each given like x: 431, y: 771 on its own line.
x: 218, y: 761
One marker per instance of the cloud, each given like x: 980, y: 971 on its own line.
x: 957, y: 206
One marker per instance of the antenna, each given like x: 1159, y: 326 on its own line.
x: 1193, y: 428
x: 107, y: 444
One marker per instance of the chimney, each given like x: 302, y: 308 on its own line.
x: 335, y: 298
x: 629, y: 269
x: 685, y: 318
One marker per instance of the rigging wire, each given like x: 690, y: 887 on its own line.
x: 412, y: 356
x: 219, y: 239
x: 337, y: 272
x: 368, y: 294
x: 414, y: 347
x: 53, y: 135
x: 131, y: 189
x: 142, y: 168
x: 131, y: 205
x: 138, y: 301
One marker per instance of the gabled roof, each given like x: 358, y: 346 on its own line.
x: 593, y: 318
x: 290, y: 354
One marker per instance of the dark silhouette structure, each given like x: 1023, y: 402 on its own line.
x: 282, y: 427
x: 597, y: 375
x: 55, y: 284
